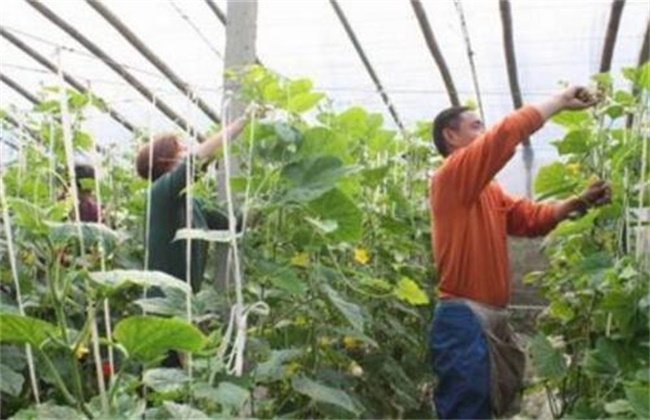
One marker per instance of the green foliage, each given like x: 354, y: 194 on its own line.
x: 337, y: 243
x: 20, y: 329
x: 598, y: 278
x: 146, y: 338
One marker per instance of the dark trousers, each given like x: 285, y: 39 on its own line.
x: 460, y: 359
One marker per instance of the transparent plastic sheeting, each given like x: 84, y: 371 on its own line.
x: 554, y: 41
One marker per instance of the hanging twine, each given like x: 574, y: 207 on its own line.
x: 6, y: 221
x: 234, y: 360
x: 69, y: 152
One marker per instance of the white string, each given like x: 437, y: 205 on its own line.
x: 234, y: 360
x: 247, y: 193
x: 69, y: 152
x: 6, y: 221
x: 52, y: 159
x: 147, y: 228
x: 197, y: 30
x: 97, y: 168
x: 189, y: 205
x: 642, y: 245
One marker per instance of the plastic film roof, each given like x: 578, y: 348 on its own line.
x: 554, y: 41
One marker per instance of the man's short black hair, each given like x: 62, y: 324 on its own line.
x: 449, y: 118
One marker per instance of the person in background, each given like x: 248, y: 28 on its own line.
x: 474, y: 354
x: 88, y: 209
x: 170, y: 157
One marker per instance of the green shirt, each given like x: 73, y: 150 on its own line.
x: 168, y: 214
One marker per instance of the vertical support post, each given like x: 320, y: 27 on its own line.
x: 241, y: 35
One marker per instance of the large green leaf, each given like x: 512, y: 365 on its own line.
x: 304, y: 101
x: 231, y: 395
x: 639, y: 398
x: 28, y: 215
x: 111, y: 281
x: 287, y: 133
x: 172, y: 304
x: 282, y: 276
x: 20, y: 329
x: 11, y: 382
x: 273, y: 369
x: 183, y: 411
x: 323, y: 393
x: 639, y: 76
x: 353, y: 122
x: 375, y: 176
x: 572, y: 119
x: 298, y: 86
x: 222, y: 236
x: 602, y: 360
x: 337, y: 206
x: 554, y: 181
x: 321, y: 141
x: 576, y: 141
x: 146, y: 337
x: 382, y: 141
x: 409, y: 291
x: 48, y: 411
x: 547, y: 360
x: 350, y: 311
x: 573, y: 227
x: 643, y: 77
x: 618, y: 407
x: 93, y: 234
x: 314, y: 176
x: 165, y: 379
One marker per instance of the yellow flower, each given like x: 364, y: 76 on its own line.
x: 291, y: 369
x: 350, y: 343
x: 300, y: 259
x: 361, y: 256
x: 81, y: 351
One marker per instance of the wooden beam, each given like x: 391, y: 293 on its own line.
x: 140, y: 46
x: 116, y: 67
x: 610, y: 36
x: 435, y: 51
x: 69, y: 79
x: 366, y: 62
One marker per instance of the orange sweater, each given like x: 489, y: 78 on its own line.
x: 472, y: 216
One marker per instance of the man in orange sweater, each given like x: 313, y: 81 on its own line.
x: 474, y: 355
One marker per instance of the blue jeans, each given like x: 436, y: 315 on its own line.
x: 460, y: 360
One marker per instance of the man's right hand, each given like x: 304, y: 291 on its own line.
x: 578, y: 97
x: 572, y: 99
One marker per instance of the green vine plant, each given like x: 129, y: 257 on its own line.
x: 336, y: 243
x: 338, y: 250
x: 592, y: 354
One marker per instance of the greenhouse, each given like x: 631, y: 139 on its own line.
x: 324, y: 209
